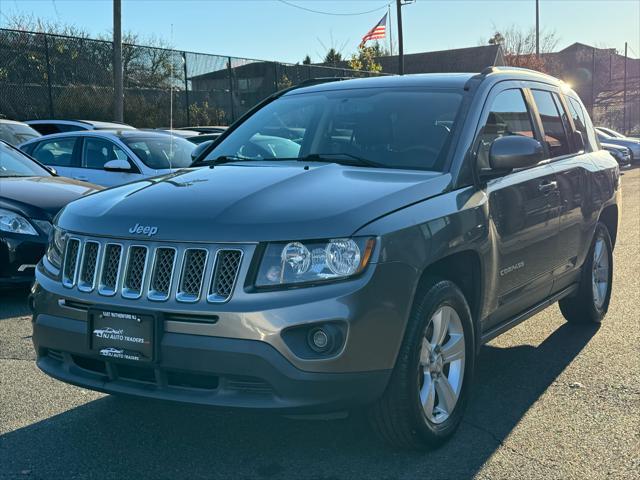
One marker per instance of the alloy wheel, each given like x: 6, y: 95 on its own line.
x: 442, y: 357
x: 600, y: 272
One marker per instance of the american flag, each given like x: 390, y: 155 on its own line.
x: 377, y: 32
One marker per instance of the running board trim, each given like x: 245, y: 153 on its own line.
x: 509, y: 324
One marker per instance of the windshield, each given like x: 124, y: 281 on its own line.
x: 161, y: 152
x: 394, y: 128
x: 15, y: 164
x: 16, y: 133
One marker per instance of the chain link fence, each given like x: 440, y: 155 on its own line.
x: 52, y: 76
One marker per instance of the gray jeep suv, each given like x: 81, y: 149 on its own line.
x: 347, y: 243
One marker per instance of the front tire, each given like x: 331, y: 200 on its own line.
x: 428, y: 391
x: 591, y: 302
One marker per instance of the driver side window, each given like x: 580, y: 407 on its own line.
x: 509, y: 115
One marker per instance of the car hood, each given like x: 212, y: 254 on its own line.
x: 41, y: 197
x: 263, y: 201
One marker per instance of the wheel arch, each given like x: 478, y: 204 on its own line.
x: 463, y: 268
x: 609, y: 217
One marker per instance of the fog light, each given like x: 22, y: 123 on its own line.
x: 319, y: 340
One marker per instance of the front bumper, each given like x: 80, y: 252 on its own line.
x: 242, y: 360
x: 18, y: 256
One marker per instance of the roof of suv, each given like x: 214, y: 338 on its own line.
x: 434, y: 80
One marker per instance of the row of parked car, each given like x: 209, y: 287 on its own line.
x: 45, y: 164
x: 106, y: 153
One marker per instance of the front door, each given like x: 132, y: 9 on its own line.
x: 524, y: 208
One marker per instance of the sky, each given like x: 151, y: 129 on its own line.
x: 275, y: 30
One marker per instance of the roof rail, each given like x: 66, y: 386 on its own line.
x: 319, y: 80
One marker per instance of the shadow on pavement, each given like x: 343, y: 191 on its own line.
x: 116, y: 437
x: 13, y: 302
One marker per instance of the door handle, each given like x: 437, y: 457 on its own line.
x: 547, y: 187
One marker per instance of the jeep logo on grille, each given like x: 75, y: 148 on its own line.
x: 147, y: 230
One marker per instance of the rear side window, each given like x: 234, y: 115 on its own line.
x: 508, y: 116
x: 97, y: 151
x: 584, y: 124
x: 555, y: 134
x: 56, y: 152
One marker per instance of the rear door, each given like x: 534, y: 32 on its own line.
x: 524, y: 208
x: 572, y: 167
x: 60, y: 153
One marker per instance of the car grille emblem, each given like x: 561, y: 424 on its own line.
x: 148, y: 230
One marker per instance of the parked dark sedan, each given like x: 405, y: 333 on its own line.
x: 30, y: 196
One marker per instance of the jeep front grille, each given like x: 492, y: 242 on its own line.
x: 224, y: 277
x: 162, y: 273
x: 158, y: 271
x: 88, y: 267
x: 135, y: 270
x: 112, y: 259
x: 195, y: 261
x: 70, y: 266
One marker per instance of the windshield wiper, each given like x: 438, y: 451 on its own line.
x: 348, y: 159
x: 220, y: 160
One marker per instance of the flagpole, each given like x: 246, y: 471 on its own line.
x: 390, y: 32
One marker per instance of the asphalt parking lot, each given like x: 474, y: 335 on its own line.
x: 550, y: 401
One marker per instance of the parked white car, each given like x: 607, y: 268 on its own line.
x: 111, y: 158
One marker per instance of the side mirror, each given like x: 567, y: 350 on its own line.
x: 117, y: 166
x: 578, y: 140
x: 514, y: 151
x: 196, y: 152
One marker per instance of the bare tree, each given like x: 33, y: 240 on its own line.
x: 520, y: 46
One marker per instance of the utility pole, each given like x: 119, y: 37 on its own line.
x: 537, y: 28
x: 624, y: 95
x: 400, y: 44
x: 593, y: 80
x: 118, y: 90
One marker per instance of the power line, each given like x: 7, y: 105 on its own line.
x: 332, y: 13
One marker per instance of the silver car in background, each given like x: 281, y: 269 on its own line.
x: 110, y: 158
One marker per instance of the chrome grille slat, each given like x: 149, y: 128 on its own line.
x: 192, y: 276
x: 88, y: 266
x: 135, y: 271
x: 162, y: 273
x: 70, y: 266
x: 131, y: 269
x: 225, y: 275
x: 110, y: 273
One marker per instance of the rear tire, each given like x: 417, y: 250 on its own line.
x: 591, y: 302
x: 428, y: 390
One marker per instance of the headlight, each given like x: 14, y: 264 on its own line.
x: 55, y: 249
x: 308, y: 262
x: 15, y: 223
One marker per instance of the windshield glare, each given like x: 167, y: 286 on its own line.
x: 161, y: 152
x: 407, y: 128
x: 16, y: 164
x: 16, y: 133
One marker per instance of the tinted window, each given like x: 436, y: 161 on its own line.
x: 15, y: 164
x: 56, y: 152
x: 508, y: 116
x: 98, y: 151
x: 16, y: 133
x: 407, y: 128
x: 162, y: 151
x: 555, y: 134
x: 46, y: 128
